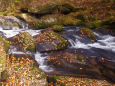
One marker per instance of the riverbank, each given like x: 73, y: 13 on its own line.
x: 40, y: 14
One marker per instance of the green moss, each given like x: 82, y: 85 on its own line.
x: 4, y: 13
x: 50, y: 8
x: 32, y: 48
x: 67, y: 7
x: 57, y: 28
x: 108, y: 23
x: 2, y: 59
x: 79, y: 58
x: 51, y: 38
x: 87, y: 33
x: 43, y: 26
x: 16, y: 68
x: 94, y: 24
x: 68, y: 20
x: 5, y: 43
x: 62, y: 45
x: 24, y: 40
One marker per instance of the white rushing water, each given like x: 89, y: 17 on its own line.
x: 42, y: 62
x: 8, y: 32
x: 106, y: 42
x: 16, y: 30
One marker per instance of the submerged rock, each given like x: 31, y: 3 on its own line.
x: 24, y: 41
x: 49, y: 40
x: 66, y: 60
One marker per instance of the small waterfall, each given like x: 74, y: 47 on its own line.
x: 7, y: 31
x: 42, y: 61
x: 14, y: 30
x: 106, y: 42
x: 103, y: 47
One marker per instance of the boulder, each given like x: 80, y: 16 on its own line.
x: 24, y: 70
x: 49, y: 40
x: 85, y: 32
x: 9, y: 22
x: 24, y: 41
x: 64, y: 8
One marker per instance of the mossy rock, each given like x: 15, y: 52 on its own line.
x: 69, y: 21
x: 5, y: 43
x: 42, y: 22
x: 32, y: 48
x: 24, y: 41
x: 8, y: 22
x: 93, y: 24
x: 85, y: 32
x: 57, y: 28
x: 50, y: 40
x: 79, y: 16
x: 2, y: 58
x: 109, y: 23
x: 42, y: 25
x: 50, y: 8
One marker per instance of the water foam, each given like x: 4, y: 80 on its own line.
x: 106, y: 42
x: 42, y: 62
x: 16, y: 30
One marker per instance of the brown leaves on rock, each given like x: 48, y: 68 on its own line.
x: 85, y: 32
x: 23, y: 72
x: 23, y: 40
x: 51, y: 40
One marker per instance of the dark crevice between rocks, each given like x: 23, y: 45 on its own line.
x: 63, y: 9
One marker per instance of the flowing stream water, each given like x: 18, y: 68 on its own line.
x: 103, y: 47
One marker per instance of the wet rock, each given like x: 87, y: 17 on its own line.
x: 24, y: 41
x: 85, y: 32
x: 9, y: 22
x: 2, y: 58
x: 66, y: 60
x: 49, y: 40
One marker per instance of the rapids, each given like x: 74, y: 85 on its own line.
x: 104, y: 47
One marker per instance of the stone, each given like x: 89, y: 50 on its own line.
x: 49, y: 40
x: 85, y: 32
x: 24, y: 41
